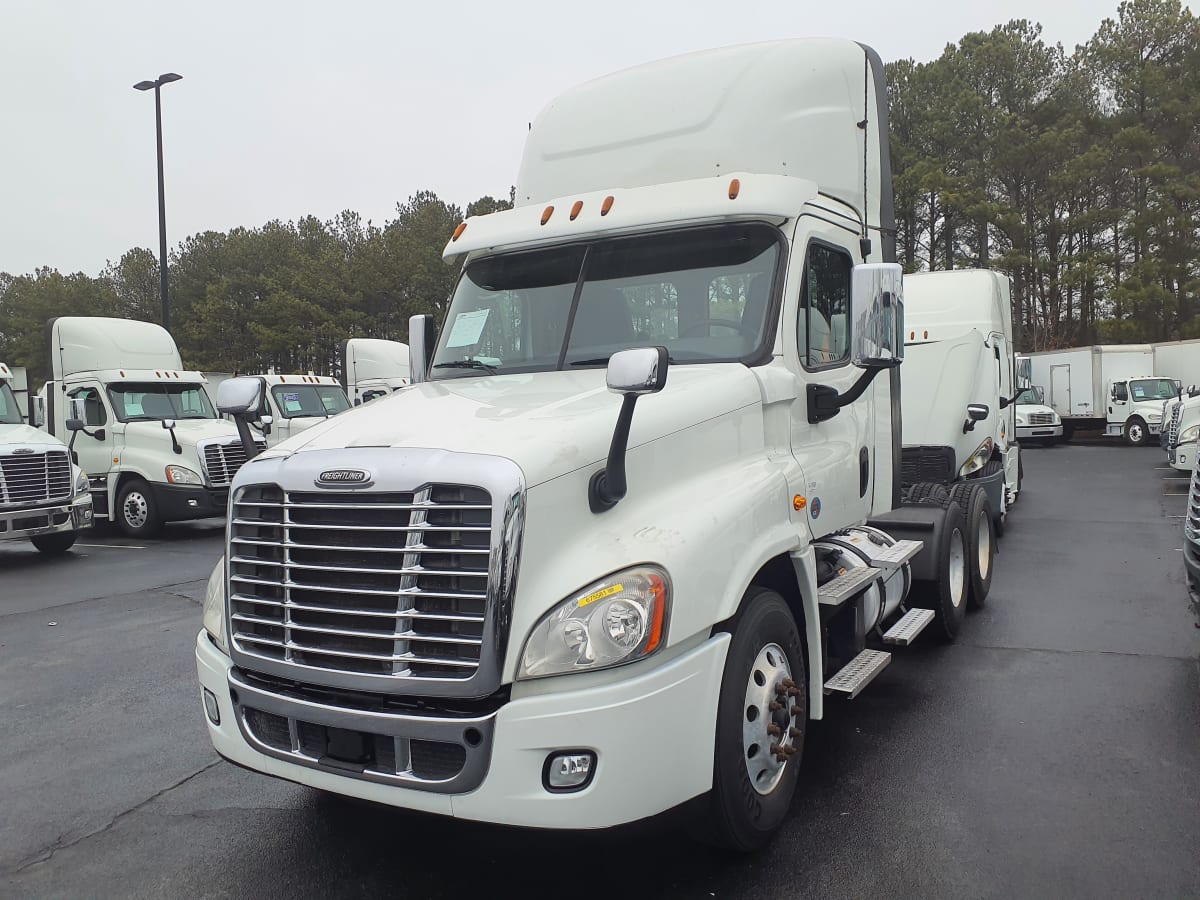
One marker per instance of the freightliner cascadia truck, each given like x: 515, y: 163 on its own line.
x: 643, y: 493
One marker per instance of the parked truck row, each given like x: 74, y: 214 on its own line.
x: 687, y: 459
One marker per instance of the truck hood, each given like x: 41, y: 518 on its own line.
x: 1025, y: 409
x: 187, y: 431
x: 27, y: 436
x: 548, y: 423
x: 940, y: 378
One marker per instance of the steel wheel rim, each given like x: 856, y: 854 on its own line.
x: 1135, y: 433
x: 957, y: 567
x: 985, y: 545
x: 135, y: 509
x: 769, y: 681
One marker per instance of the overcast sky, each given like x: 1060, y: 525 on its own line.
x: 297, y: 107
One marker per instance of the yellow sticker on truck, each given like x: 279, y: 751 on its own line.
x: 601, y: 594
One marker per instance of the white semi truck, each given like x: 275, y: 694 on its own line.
x: 292, y: 403
x: 44, y: 496
x: 645, y: 492
x: 152, y: 444
x: 1109, y: 387
x: 372, y: 368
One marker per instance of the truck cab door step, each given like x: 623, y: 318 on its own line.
x: 837, y: 590
x: 858, y: 673
x: 908, y: 626
x: 895, y: 556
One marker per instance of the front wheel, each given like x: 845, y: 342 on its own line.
x: 1136, y: 432
x: 137, y: 511
x: 947, y: 596
x: 761, y: 716
x: 54, y: 544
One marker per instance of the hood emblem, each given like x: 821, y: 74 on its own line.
x: 23, y: 451
x: 343, y: 478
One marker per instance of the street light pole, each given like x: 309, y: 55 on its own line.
x: 162, y: 204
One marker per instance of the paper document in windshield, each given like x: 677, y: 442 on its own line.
x: 467, y: 328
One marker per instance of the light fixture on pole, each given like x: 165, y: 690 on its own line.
x: 162, y: 208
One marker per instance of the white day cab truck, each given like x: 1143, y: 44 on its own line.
x: 644, y: 491
x: 1109, y: 387
x: 373, y: 368
x: 152, y: 444
x: 292, y: 403
x: 44, y: 496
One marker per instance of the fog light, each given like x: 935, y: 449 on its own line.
x: 210, y: 707
x: 193, y: 504
x: 568, y: 770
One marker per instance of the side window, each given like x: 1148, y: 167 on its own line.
x: 93, y: 406
x: 822, y: 331
x: 1120, y: 392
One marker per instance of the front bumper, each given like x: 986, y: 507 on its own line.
x: 1182, y: 456
x: 69, y: 515
x: 652, y: 734
x: 177, y: 502
x: 1039, y: 432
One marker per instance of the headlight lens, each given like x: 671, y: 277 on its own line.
x: 1020, y: 418
x: 616, y: 620
x: 978, y: 459
x: 81, y: 482
x: 214, y: 606
x: 1189, y: 434
x: 180, y: 475
x: 1153, y: 417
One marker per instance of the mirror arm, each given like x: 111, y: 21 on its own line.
x: 824, y: 402
x: 608, y: 486
x: 248, y: 444
x: 968, y: 425
x: 174, y: 442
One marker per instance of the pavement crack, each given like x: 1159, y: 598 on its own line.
x: 47, y: 853
x: 1128, y: 653
x: 164, y: 588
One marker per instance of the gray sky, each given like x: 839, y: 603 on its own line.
x: 315, y: 106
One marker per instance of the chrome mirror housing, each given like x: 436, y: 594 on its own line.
x: 877, y: 315
x: 239, y: 396
x: 642, y: 370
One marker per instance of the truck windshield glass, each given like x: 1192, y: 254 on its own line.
x: 133, y: 402
x: 1153, y: 389
x: 1031, y: 395
x: 9, y: 413
x: 296, y: 400
x: 702, y: 293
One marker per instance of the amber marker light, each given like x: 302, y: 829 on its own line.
x: 926, y: 335
x: 546, y: 214
x: 462, y: 226
x: 659, y: 587
x: 735, y: 187
x: 576, y: 210
x: 799, y: 502
x: 606, y: 205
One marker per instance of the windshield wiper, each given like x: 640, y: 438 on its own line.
x: 603, y: 360
x: 467, y: 364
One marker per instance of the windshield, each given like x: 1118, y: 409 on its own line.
x: 134, y: 402
x: 702, y: 293
x: 296, y: 400
x: 1031, y: 395
x: 1153, y: 389
x: 9, y: 413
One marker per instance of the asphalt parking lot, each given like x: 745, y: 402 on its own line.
x: 1054, y: 751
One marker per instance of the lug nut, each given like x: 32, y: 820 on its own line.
x: 795, y: 733
x: 774, y: 730
x: 774, y: 706
x: 788, y: 683
x: 797, y: 711
x: 789, y: 750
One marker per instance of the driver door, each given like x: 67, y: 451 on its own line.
x: 97, y: 449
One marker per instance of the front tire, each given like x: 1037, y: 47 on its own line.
x: 947, y: 596
x: 762, y: 713
x: 137, y: 512
x: 54, y: 544
x: 1136, y: 432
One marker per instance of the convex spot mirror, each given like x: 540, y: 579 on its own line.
x: 239, y: 396
x: 877, y: 316
x: 642, y: 370
x: 168, y: 424
x: 977, y: 412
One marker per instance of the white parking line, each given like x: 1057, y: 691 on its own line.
x: 112, y: 546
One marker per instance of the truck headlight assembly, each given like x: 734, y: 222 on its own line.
x: 1153, y: 417
x: 180, y: 475
x: 214, y: 606
x: 618, y: 619
x: 1189, y: 434
x: 81, y: 482
x: 1021, y: 418
x: 978, y: 459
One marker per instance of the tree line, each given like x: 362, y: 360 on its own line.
x: 1076, y: 174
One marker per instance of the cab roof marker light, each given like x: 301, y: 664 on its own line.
x: 462, y: 226
x: 606, y: 205
x: 576, y: 210
x: 735, y: 187
x: 546, y: 214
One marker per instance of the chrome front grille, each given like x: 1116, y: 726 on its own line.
x: 222, y: 461
x: 388, y: 585
x: 1191, y: 525
x: 1173, y: 426
x: 1041, y: 418
x: 31, y: 478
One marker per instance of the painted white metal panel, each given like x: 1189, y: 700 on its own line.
x: 91, y: 343
x: 1179, y: 360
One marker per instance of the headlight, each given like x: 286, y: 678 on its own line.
x: 1020, y: 418
x: 616, y: 620
x: 978, y: 459
x: 1153, y: 417
x: 180, y: 475
x: 214, y: 606
x: 81, y: 482
x: 1189, y: 434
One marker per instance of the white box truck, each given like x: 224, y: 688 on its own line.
x: 373, y: 367
x: 1178, y: 360
x: 645, y: 492
x: 44, y: 495
x: 1109, y: 387
x: 153, y: 446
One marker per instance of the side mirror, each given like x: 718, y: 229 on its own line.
x: 977, y: 412
x: 1193, y: 390
x: 421, y: 337
x: 76, y: 409
x: 265, y: 422
x: 238, y: 396
x: 1024, y: 367
x: 877, y: 316
x: 39, y: 411
x: 639, y: 371
x: 75, y: 424
x: 168, y: 424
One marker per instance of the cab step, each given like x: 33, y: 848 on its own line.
x: 898, y: 554
x: 908, y: 626
x: 837, y: 590
x: 858, y: 673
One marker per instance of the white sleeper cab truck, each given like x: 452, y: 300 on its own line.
x: 292, y: 403
x: 958, y: 382
x: 644, y: 494
x: 152, y: 443
x: 44, y: 497
x: 372, y: 368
